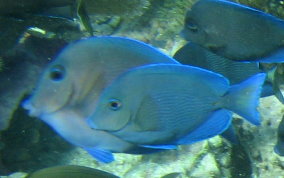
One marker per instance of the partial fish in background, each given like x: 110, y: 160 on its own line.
x: 68, y: 90
x: 75, y: 171
x: 275, y: 77
x: 70, y: 171
x: 279, y: 147
x: 19, y: 8
x: 235, y: 31
x: 164, y: 105
x: 67, y: 9
x: 235, y: 71
x: 195, y: 55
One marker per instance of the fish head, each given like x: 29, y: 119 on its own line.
x: 53, y: 91
x: 67, y: 81
x: 203, y: 25
x: 193, y: 30
x: 116, y: 106
x: 111, y: 114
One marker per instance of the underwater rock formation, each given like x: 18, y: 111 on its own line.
x: 23, y: 65
x: 24, y: 50
x: 30, y: 139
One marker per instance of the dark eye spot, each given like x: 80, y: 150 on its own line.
x: 57, y: 73
x: 191, y: 25
x: 114, y: 104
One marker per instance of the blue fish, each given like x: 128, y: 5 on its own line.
x: 235, y: 71
x: 68, y: 90
x: 195, y: 55
x: 235, y: 31
x: 164, y: 105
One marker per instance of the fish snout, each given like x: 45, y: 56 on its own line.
x: 183, y: 34
x: 91, y: 123
x: 27, y: 104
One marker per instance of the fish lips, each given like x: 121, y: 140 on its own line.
x: 91, y: 123
x: 33, y: 111
x: 40, y: 109
x: 27, y: 104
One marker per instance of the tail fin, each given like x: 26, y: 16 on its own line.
x: 243, y: 98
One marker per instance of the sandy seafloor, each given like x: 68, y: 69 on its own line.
x: 211, y: 158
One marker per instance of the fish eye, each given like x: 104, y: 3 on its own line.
x: 114, y: 104
x: 57, y: 73
x: 191, y: 25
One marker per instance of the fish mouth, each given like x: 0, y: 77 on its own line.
x: 27, y: 105
x: 35, y: 111
x: 91, y: 124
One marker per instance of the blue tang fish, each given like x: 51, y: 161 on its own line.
x: 195, y: 55
x: 164, y: 105
x: 68, y: 90
x: 235, y: 71
x: 235, y: 31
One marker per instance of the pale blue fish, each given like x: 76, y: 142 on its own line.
x: 235, y: 31
x: 235, y: 71
x: 68, y: 90
x: 164, y: 105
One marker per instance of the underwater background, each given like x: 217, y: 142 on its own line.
x: 30, y: 41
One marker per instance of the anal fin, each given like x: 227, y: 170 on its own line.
x: 216, y: 124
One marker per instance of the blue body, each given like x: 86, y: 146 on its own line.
x: 163, y: 105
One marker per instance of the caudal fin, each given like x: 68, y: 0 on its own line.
x: 243, y: 98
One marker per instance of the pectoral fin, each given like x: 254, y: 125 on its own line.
x: 101, y: 155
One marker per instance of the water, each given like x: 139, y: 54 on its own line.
x: 27, y: 144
